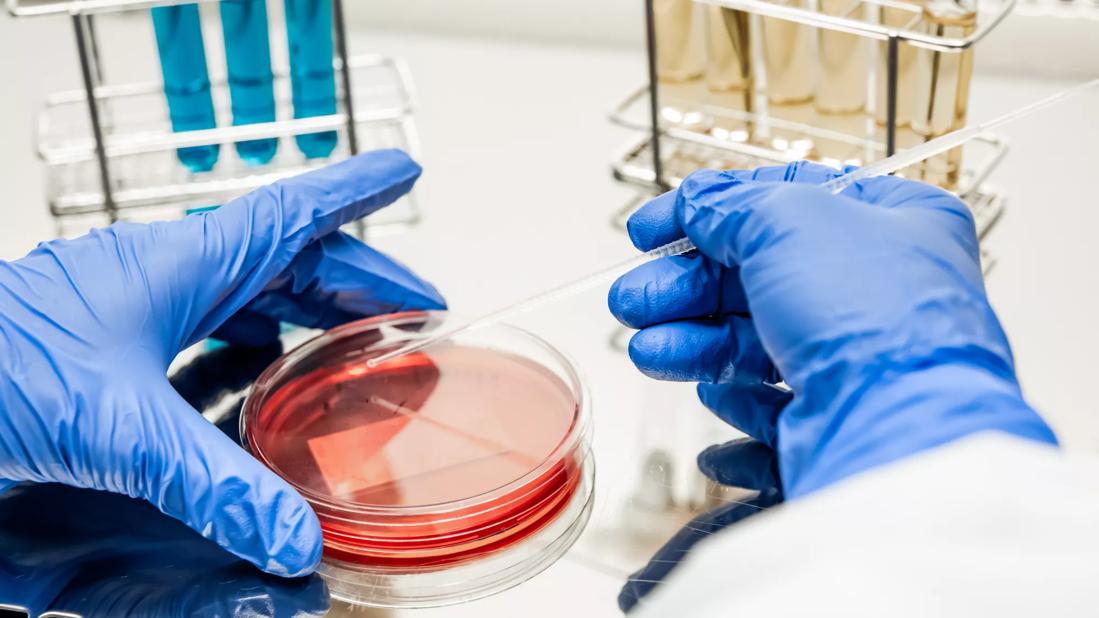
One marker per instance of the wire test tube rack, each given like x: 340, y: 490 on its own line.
x: 110, y: 152
x: 682, y: 123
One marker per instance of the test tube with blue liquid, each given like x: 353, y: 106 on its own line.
x: 248, y: 55
x: 312, y: 78
x: 186, y: 80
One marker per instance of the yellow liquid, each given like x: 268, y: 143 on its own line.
x: 790, y: 60
x: 679, y: 52
x: 728, y: 50
x: 942, y: 88
x: 906, y: 67
x: 843, y: 71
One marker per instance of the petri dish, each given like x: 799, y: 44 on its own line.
x: 438, y: 477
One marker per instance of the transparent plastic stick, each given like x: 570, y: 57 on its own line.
x: 885, y: 166
x: 946, y: 142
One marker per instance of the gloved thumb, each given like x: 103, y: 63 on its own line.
x: 191, y: 471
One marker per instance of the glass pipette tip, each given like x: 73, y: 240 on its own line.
x: 887, y: 165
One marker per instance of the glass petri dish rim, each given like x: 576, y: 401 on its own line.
x: 577, y: 436
x: 473, y: 584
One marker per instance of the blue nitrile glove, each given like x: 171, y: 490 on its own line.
x: 871, y: 305
x: 89, y: 326
x: 97, y: 554
x: 742, y: 463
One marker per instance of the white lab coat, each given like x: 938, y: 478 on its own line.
x: 990, y: 525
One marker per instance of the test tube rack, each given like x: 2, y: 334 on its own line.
x: 109, y: 149
x: 677, y: 128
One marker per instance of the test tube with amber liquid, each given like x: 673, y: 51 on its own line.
x: 679, y: 54
x: 942, y: 87
x: 730, y: 78
x: 789, y: 60
x: 901, y: 19
x: 841, y: 90
x: 790, y: 63
x: 679, y: 63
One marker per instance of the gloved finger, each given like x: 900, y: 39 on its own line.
x: 338, y: 279
x: 248, y: 328
x: 668, y: 557
x: 163, y: 591
x: 189, y: 470
x: 887, y: 191
x: 900, y: 193
x: 209, y: 377
x: 239, y: 592
x: 724, y: 350
x: 676, y: 288
x: 802, y: 172
x: 744, y: 462
x: 751, y: 408
x: 730, y: 220
x: 207, y: 266
x: 655, y: 223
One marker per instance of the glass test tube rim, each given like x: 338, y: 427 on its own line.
x: 577, y: 437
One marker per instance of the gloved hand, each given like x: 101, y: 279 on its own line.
x: 744, y: 463
x: 89, y: 326
x: 871, y: 305
x: 97, y: 554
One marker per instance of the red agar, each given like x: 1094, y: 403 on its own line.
x: 423, y: 430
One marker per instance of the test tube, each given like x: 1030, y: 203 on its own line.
x: 789, y: 59
x: 901, y: 19
x: 186, y: 82
x: 248, y: 55
x: 679, y: 53
x: 312, y: 78
x: 842, y: 85
x: 730, y: 76
x: 942, y: 87
x: 728, y: 50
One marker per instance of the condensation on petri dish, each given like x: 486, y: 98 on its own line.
x: 423, y: 429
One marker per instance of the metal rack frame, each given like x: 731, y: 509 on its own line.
x: 626, y: 170
x: 893, y: 37
x: 103, y: 148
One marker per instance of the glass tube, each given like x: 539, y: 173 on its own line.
x: 730, y: 74
x: 942, y: 87
x: 842, y: 85
x: 679, y: 54
x: 728, y: 50
x: 248, y: 55
x: 906, y: 67
x: 312, y: 78
x: 789, y: 60
x: 186, y: 81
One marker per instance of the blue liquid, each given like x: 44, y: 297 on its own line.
x: 248, y: 54
x: 312, y: 79
x: 186, y: 82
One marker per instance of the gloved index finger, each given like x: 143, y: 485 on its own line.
x: 211, y: 265
x: 316, y: 203
x: 655, y: 223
